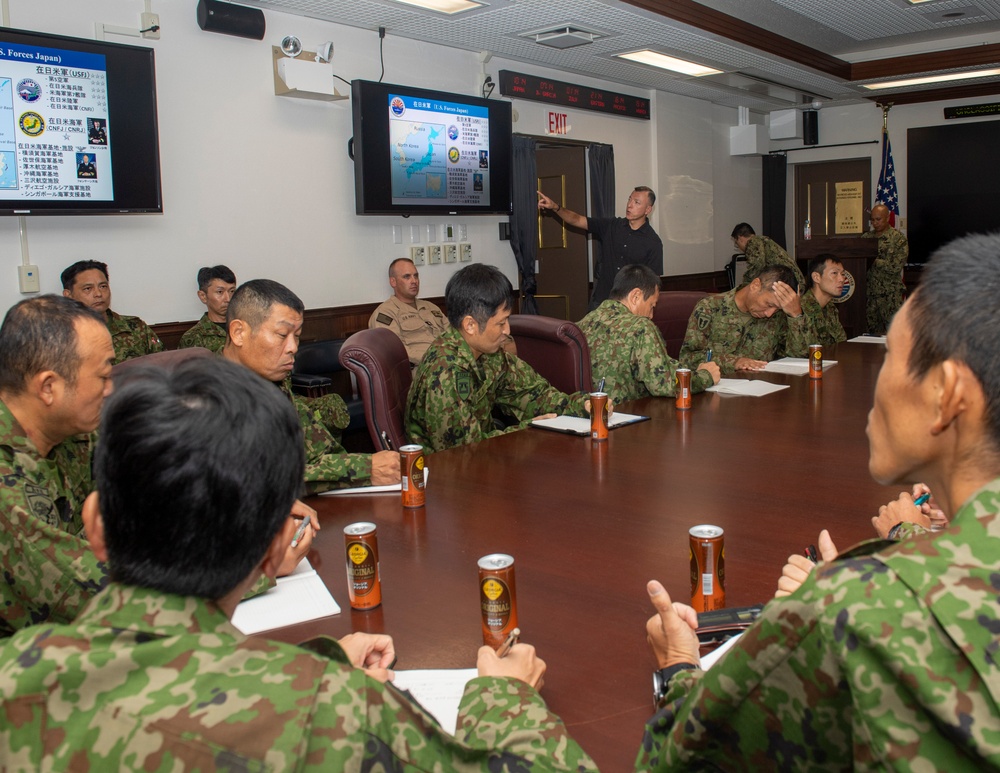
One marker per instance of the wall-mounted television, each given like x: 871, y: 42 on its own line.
x: 78, y: 128
x: 418, y: 151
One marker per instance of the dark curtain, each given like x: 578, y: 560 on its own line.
x: 602, y: 180
x: 524, y: 217
x: 773, y: 185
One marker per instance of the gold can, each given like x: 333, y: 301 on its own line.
x: 411, y: 464
x: 683, y: 399
x: 497, y: 597
x: 599, y: 415
x: 708, y: 567
x: 364, y: 584
x: 815, y: 360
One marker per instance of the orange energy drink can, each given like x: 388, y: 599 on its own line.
x: 683, y: 399
x: 708, y: 568
x: 497, y: 597
x: 364, y: 585
x: 815, y: 360
x: 411, y: 463
x: 599, y: 415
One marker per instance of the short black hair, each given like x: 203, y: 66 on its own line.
x: 777, y: 272
x: 40, y: 334
x: 648, y: 191
x: 632, y: 276
x: 742, y: 229
x: 954, y: 315
x: 68, y: 277
x: 818, y: 264
x: 477, y: 291
x: 207, y: 275
x: 197, y: 470
x: 252, y: 302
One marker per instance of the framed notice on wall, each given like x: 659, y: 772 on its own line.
x: 849, y: 208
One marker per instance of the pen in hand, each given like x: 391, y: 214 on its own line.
x: 299, y: 532
x: 387, y: 440
x: 509, y: 642
x: 811, y: 554
x: 708, y: 356
x: 600, y: 387
x: 922, y: 499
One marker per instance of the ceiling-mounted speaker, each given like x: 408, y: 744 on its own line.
x: 229, y: 19
x: 810, y: 127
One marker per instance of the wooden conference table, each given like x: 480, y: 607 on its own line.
x: 589, y: 523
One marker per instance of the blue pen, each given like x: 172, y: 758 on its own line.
x: 600, y: 387
x: 921, y: 499
x: 708, y: 356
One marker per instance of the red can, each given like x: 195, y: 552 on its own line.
x: 364, y: 585
x: 599, y: 415
x: 708, y: 572
x: 411, y: 463
x: 497, y: 597
x: 683, y: 398
x: 815, y: 360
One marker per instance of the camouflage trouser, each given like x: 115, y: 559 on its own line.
x: 881, y: 309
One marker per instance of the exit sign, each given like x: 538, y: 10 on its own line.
x: 558, y: 123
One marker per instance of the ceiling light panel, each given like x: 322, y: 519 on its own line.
x: 443, y: 6
x: 670, y: 63
x: 927, y: 79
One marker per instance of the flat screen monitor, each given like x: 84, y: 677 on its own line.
x: 78, y: 128
x: 418, y: 151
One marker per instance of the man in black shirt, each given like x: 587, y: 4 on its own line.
x: 624, y: 240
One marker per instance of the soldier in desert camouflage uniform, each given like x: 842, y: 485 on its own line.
x: 626, y: 348
x: 885, y: 277
x: 216, y: 286
x: 825, y: 283
x: 86, y: 281
x: 55, y: 360
x: 761, y: 252
x: 265, y: 320
x: 170, y: 683
x: 746, y: 328
x: 465, y: 375
x: 886, y: 657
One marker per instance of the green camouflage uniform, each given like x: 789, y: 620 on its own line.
x: 823, y: 321
x: 49, y: 571
x: 761, y: 251
x: 628, y: 352
x: 718, y: 324
x: 453, y: 395
x: 131, y: 336
x: 328, y: 465
x: 886, y: 658
x: 206, y: 334
x: 148, y: 681
x: 885, y: 279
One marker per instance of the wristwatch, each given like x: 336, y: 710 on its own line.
x: 662, y: 678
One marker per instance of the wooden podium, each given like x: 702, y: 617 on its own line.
x: 857, y: 254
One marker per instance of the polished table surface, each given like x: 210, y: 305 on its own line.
x: 589, y: 523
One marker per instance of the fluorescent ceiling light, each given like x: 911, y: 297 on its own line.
x: 443, y: 6
x: 664, y: 62
x: 955, y: 76
x: 918, y: 2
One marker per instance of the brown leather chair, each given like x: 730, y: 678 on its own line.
x: 168, y: 360
x: 671, y: 316
x: 555, y: 348
x: 379, y: 362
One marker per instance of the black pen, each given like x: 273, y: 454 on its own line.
x: 387, y: 440
x: 509, y: 642
x: 811, y: 554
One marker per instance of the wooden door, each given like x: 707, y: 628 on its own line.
x: 834, y: 196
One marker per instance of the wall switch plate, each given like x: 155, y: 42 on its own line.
x: 465, y: 252
x: 449, y: 233
x: 433, y: 254
x: 463, y: 232
x: 431, y: 231
x: 27, y: 279
x: 415, y: 234
x: 418, y: 254
x: 397, y: 234
x: 450, y: 253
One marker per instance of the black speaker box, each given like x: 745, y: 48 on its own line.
x: 229, y: 19
x: 810, y: 127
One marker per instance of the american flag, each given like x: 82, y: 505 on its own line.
x: 887, y: 193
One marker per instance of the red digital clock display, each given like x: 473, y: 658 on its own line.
x: 536, y: 89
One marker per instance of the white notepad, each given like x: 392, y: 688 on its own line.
x: 388, y: 488
x: 439, y: 691
x: 575, y: 425
x: 795, y: 366
x: 866, y: 339
x: 745, y: 387
x: 297, y: 597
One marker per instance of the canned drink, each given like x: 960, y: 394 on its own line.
x: 497, y: 597
x: 683, y: 399
x: 815, y: 360
x: 708, y: 568
x: 364, y: 585
x: 599, y: 415
x: 411, y: 464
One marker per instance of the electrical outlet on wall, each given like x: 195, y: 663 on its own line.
x: 418, y: 254
x: 433, y: 254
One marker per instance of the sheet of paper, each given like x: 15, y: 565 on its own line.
x: 745, y: 387
x: 795, y: 366
x: 439, y: 691
x: 866, y: 340
x: 297, y: 597
x: 389, y: 488
x: 581, y: 426
x: 710, y: 659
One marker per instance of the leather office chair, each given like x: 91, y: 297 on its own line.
x: 379, y: 361
x: 671, y: 316
x: 168, y: 360
x: 318, y: 370
x: 555, y: 348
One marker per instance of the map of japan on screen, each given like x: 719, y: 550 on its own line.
x: 440, y: 151
x: 55, y: 141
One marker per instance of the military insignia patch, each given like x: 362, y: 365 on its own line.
x: 41, y: 504
x: 383, y: 319
x: 463, y: 385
